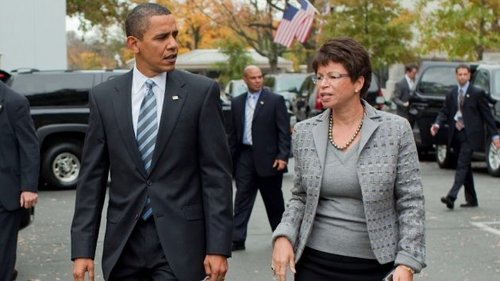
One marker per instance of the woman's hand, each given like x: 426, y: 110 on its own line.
x: 402, y: 273
x: 283, y: 257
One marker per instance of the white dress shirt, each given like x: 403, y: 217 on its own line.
x: 139, y: 90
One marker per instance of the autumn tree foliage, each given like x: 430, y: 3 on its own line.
x: 462, y: 29
x: 381, y: 26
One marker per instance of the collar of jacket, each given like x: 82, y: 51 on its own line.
x: 320, y: 131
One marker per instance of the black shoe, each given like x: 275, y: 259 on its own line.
x: 14, y: 274
x: 448, y: 201
x: 238, y: 246
x: 469, y: 205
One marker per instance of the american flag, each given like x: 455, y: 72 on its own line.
x: 296, y: 23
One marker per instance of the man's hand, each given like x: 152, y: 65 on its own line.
x: 215, y: 267
x: 406, y: 104
x: 82, y: 265
x: 280, y: 165
x: 28, y: 199
x: 496, y: 143
x: 434, y: 129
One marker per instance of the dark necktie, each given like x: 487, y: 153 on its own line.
x: 459, y: 124
x: 147, y: 129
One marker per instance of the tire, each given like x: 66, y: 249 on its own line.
x: 493, y: 161
x: 444, y: 158
x: 61, y: 165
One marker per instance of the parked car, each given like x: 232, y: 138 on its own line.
x: 307, y: 103
x: 235, y: 88
x: 285, y: 84
x: 59, y: 108
x: 434, y: 81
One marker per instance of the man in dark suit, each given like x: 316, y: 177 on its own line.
x: 160, y: 134
x: 260, y: 146
x: 467, y: 113
x: 19, y: 168
x: 402, y: 92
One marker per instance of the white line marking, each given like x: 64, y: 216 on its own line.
x: 485, y: 226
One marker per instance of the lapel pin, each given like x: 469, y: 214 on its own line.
x: 467, y: 95
x: 1, y: 107
x: 175, y: 97
x: 261, y: 102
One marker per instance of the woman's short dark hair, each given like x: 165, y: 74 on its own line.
x: 350, y: 54
x: 137, y: 21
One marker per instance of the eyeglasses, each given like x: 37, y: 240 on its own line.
x: 330, y: 77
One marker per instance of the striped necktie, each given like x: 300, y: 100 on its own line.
x: 249, y: 111
x: 147, y: 129
x: 147, y: 126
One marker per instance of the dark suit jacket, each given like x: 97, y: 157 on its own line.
x: 401, y: 95
x: 189, y: 183
x: 270, y: 131
x: 476, y: 114
x: 19, y: 149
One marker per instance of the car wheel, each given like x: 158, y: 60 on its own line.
x: 444, y: 157
x: 493, y: 161
x: 61, y: 165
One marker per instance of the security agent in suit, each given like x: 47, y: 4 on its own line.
x: 402, y: 92
x: 19, y: 168
x: 467, y: 113
x: 260, y: 146
x: 169, y: 217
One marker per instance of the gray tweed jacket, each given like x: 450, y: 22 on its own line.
x: 389, y: 175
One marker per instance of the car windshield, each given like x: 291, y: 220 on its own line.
x: 285, y: 82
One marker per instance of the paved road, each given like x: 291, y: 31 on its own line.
x: 463, y: 244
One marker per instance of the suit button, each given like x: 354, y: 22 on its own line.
x: 149, y: 183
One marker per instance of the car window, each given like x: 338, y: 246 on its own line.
x: 437, y: 81
x: 373, y: 84
x: 236, y: 87
x: 482, y: 80
x: 270, y: 82
x: 54, y: 89
x: 495, y: 87
x: 287, y: 82
x: 307, y: 86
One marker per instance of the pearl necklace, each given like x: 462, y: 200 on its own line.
x: 345, y: 146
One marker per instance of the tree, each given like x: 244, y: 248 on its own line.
x: 463, y: 29
x: 383, y: 27
x: 238, y: 58
x: 98, y: 13
x: 252, y: 20
x: 95, y: 54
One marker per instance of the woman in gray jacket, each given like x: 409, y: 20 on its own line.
x: 357, y: 206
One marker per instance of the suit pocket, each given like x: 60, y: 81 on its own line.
x: 193, y: 212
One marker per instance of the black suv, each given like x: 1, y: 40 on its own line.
x: 434, y: 81
x: 59, y: 108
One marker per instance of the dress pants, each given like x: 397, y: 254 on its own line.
x: 248, y: 182
x: 9, y: 223
x: 463, y: 172
x: 142, y: 258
